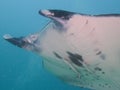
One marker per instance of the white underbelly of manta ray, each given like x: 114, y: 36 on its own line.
x: 82, y: 50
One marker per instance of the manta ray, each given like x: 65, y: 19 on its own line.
x: 80, y: 49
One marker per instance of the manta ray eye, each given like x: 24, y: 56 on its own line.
x: 32, y: 38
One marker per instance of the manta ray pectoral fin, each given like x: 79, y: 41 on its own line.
x: 59, y: 16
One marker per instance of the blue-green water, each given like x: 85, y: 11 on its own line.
x: 22, y: 70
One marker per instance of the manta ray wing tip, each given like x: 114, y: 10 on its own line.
x: 46, y: 13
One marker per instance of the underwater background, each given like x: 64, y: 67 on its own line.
x: 22, y: 70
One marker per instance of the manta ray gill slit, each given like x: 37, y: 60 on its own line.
x: 76, y: 58
x: 57, y: 55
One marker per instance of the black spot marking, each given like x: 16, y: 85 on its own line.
x: 76, y: 58
x: 103, y: 72
x: 102, y: 56
x: 98, y: 69
x: 57, y: 55
x: 87, y: 74
x: 70, y: 69
x: 106, y: 84
x: 98, y: 53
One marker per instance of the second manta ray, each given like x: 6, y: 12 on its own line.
x: 82, y: 50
